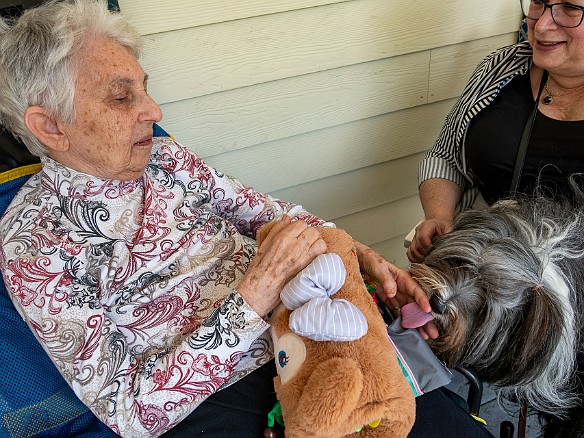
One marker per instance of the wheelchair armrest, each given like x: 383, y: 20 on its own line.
x: 475, y: 390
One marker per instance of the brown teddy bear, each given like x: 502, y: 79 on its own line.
x: 338, y: 374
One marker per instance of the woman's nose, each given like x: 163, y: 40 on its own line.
x: 151, y: 111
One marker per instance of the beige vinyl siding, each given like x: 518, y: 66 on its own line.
x: 330, y: 104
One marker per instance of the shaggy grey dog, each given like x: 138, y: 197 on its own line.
x: 506, y: 289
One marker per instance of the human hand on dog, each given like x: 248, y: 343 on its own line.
x: 397, y: 286
x: 287, y: 249
x: 439, y: 198
x: 425, y: 232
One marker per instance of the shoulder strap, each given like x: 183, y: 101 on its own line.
x: 525, y: 136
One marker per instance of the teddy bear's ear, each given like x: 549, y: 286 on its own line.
x: 264, y: 231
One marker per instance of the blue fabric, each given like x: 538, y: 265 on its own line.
x: 35, y: 401
x: 159, y: 132
x: 523, y: 31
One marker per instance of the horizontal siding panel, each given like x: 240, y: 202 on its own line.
x: 362, y: 189
x: 300, y: 159
x: 452, y: 66
x: 155, y: 16
x: 235, y: 119
x: 384, y: 222
x: 208, y: 59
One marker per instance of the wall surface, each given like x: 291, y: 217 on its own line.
x: 327, y: 103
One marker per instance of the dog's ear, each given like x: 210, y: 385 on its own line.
x: 264, y: 230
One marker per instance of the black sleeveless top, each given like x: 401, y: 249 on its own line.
x: 555, y: 151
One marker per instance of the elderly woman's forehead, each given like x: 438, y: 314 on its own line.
x: 106, y: 60
x: 103, y: 50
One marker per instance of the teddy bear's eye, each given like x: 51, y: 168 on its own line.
x: 283, y: 359
x: 291, y: 355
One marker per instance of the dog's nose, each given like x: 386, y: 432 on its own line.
x: 438, y: 305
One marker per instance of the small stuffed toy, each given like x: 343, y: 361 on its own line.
x: 338, y: 374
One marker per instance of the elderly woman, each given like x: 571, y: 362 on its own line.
x: 132, y: 261
x: 478, y: 147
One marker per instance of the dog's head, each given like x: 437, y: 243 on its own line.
x: 501, y: 286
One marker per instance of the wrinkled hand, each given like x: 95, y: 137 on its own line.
x: 422, y: 241
x: 286, y: 250
x: 397, y: 285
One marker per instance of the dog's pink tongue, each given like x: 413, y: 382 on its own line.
x: 413, y: 316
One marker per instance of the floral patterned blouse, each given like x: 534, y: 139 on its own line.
x: 130, y: 286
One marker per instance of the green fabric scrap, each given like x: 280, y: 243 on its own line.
x: 275, y: 415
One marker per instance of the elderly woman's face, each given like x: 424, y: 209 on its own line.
x: 557, y: 49
x: 111, y: 136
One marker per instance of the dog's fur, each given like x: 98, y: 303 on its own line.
x: 506, y: 288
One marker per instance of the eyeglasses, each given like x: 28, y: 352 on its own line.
x: 563, y: 14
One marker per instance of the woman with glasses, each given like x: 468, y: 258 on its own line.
x: 532, y: 91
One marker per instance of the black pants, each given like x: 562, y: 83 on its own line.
x: 241, y: 411
x: 443, y: 414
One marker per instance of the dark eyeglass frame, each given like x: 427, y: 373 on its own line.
x: 551, y: 8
